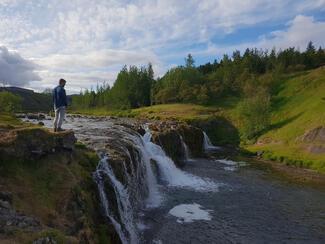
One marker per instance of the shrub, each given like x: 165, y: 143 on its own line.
x: 9, y: 102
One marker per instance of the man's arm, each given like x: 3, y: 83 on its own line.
x: 54, y: 98
x: 65, y: 98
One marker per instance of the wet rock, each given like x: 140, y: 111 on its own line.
x: 171, y: 143
x: 45, y: 240
x: 41, y: 123
x: 141, y: 131
x: 41, y: 116
x: 6, y: 196
x: 20, y: 116
x: 4, y: 204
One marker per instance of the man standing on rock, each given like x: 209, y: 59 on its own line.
x: 60, y: 104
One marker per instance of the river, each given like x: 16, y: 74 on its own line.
x: 207, y: 201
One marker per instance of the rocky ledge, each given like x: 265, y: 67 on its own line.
x: 34, y: 142
x: 172, y: 135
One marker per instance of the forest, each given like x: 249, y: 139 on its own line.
x: 240, y: 75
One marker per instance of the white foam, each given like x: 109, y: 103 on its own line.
x: 231, y: 165
x: 187, y: 213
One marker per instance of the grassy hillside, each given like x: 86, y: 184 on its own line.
x: 298, y: 107
x: 31, y: 101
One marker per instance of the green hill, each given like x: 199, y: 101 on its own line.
x: 31, y: 101
x: 296, y: 135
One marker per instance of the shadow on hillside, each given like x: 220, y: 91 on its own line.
x: 280, y: 124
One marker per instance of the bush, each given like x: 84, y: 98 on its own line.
x: 255, y: 113
x: 9, y: 102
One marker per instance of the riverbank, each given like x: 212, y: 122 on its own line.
x: 288, y: 173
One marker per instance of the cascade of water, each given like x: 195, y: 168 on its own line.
x: 173, y: 175
x: 186, y: 150
x: 126, y: 228
x: 207, y: 145
x: 140, y: 184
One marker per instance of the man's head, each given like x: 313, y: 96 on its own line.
x: 62, y: 82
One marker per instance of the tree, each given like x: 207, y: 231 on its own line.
x: 189, y: 61
x: 255, y: 111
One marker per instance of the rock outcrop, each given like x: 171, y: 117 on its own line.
x: 34, y: 142
x: 172, y: 135
x: 11, y: 221
x: 314, y: 140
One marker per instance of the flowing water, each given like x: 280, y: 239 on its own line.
x: 207, y: 201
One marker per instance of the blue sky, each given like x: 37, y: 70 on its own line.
x: 87, y: 42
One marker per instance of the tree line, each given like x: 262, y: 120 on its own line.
x: 205, y: 84
x: 251, y: 76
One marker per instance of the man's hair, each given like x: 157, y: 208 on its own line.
x: 61, y: 81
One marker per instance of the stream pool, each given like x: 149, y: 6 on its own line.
x: 249, y: 207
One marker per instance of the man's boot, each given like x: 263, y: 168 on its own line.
x: 55, y: 129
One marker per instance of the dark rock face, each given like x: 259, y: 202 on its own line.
x: 193, y: 137
x: 171, y: 142
x: 221, y: 131
x: 31, y: 142
x: 171, y: 136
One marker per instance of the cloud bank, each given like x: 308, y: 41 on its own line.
x: 15, y: 70
x: 90, y: 42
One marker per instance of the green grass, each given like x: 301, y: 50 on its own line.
x: 9, y: 121
x: 299, y: 106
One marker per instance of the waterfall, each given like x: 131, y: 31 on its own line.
x: 186, y: 150
x: 123, y: 196
x: 126, y: 228
x: 129, y: 195
x: 207, y: 145
x: 172, y: 175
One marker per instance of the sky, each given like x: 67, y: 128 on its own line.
x: 88, y: 42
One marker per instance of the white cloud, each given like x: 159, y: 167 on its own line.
x: 77, y: 37
x: 15, y: 70
x: 299, y: 32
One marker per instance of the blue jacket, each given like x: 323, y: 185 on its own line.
x: 59, y: 97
